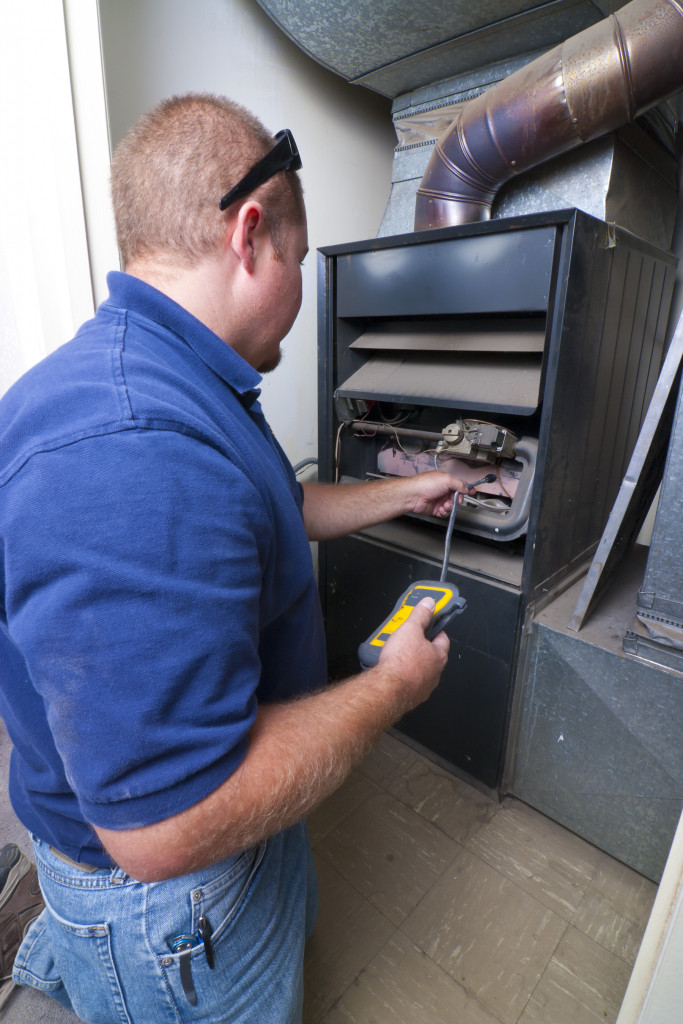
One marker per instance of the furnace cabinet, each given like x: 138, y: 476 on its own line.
x: 527, y: 347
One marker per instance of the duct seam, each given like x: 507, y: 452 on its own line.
x: 625, y: 61
x: 458, y: 173
x: 480, y: 175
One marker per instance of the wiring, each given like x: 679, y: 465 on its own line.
x: 487, y: 505
x: 405, y: 452
x: 389, y: 423
x: 336, y: 452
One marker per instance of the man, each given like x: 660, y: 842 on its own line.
x: 163, y: 657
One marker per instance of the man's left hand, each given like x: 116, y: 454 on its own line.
x: 432, y: 494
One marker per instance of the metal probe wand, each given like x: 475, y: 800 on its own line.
x: 490, y: 478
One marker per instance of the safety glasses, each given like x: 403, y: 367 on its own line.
x: 284, y: 156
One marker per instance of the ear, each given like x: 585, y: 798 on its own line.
x: 246, y: 233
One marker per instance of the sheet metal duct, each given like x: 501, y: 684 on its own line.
x: 393, y: 46
x: 595, y: 82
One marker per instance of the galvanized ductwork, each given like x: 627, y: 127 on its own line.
x: 595, y: 82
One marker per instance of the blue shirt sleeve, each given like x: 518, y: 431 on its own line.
x: 135, y: 589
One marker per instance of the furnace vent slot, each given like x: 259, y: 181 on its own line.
x: 508, y: 383
x: 463, y: 336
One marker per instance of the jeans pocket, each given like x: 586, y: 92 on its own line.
x: 74, y: 964
x: 255, y: 908
x: 34, y: 964
x: 217, y: 894
x: 221, y: 899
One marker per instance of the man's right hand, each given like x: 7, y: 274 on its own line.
x: 299, y: 751
x: 414, y: 663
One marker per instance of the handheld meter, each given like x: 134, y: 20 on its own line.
x: 447, y: 599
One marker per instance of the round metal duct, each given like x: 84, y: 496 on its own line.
x: 595, y: 82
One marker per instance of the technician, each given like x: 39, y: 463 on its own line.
x: 163, y: 674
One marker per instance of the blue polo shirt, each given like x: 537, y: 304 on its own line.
x: 156, y: 575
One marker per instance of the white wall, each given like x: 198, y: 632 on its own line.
x: 653, y: 995
x: 45, y: 283
x: 157, y: 48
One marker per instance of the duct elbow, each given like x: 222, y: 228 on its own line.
x: 595, y: 82
x: 432, y: 211
x: 447, y: 197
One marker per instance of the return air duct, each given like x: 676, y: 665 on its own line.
x: 596, y: 81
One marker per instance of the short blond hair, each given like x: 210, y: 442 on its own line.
x: 169, y: 172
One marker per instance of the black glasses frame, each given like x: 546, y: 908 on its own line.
x: 284, y: 156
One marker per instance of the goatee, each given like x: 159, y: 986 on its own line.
x: 270, y: 364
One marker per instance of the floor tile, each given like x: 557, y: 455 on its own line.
x: 543, y: 858
x: 504, y: 916
x: 348, y: 934
x: 491, y: 936
x: 403, y: 986
x: 388, y: 760
x: 331, y: 812
x: 616, y: 908
x: 440, y: 797
x: 389, y: 854
x: 583, y: 984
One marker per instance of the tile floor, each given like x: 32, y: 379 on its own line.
x: 439, y: 905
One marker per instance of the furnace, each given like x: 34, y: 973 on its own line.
x: 526, y: 347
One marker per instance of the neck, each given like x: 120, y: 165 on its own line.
x: 192, y: 286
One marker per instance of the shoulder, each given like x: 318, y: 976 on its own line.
x: 69, y: 394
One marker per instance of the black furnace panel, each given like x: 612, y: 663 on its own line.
x: 528, y: 347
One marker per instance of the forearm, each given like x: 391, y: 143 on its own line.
x: 298, y: 753
x: 333, y: 510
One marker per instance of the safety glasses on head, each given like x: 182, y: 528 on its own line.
x: 284, y: 156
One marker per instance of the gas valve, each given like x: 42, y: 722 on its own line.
x: 476, y: 439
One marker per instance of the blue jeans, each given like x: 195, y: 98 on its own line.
x: 102, y: 945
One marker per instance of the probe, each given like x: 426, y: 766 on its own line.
x: 446, y: 597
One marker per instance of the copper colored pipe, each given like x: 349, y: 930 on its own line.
x: 386, y: 428
x: 594, y: 82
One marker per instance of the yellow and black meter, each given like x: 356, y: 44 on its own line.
x: 447, y: 599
